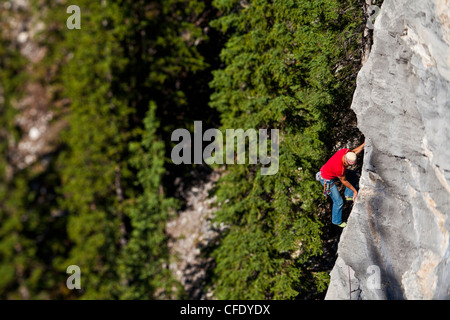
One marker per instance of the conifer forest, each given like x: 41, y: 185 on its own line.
x: 91, y: 93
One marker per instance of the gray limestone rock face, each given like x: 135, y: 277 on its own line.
x: 396, y: 244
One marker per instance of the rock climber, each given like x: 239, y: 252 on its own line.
x: 336, y: 168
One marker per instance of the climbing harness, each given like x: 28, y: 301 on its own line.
x: 326, y: 184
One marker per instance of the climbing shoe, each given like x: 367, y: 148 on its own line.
x: 342, y: 225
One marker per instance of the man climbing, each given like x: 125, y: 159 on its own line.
x: 336, y: 167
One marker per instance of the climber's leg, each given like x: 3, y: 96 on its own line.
x: 338, y: 203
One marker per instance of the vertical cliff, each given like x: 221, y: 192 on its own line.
x: 396, y: 244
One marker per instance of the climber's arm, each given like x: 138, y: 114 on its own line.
x: 349, y: 185
x: 359, y: 149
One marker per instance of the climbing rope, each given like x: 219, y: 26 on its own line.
x: 349, y: 283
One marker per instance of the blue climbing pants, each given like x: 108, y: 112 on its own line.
x: 338, y: 202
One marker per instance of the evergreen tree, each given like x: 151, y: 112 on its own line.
x: 15, y: 248
x: 281, y: 72
x: 29, y: 234
x: 128, y: 54
x: 146, y: 257
x: 136, y: 71
x: 93, y: 166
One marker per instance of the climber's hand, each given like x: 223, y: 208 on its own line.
x: 354, y: 196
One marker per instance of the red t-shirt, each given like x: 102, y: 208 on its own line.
x: 334, y: 167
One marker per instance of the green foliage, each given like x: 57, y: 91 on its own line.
x: 280, y: 72
x: 130, y: 53
x: 93, y: 165
x: 136, y: 71
x: 145, y: 258
x: 27, y: 237
x: 13, y: 257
